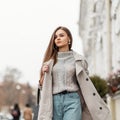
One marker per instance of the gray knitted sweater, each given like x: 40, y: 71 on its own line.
x: 64, y: 74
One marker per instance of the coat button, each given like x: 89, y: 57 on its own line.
x: 100, y: 108
x: 94, y: 94
x: 87, y: 79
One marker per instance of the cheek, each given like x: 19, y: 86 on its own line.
x: 55, y: 41
x: 65, y: 41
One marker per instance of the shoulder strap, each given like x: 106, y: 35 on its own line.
x: 38, y: 96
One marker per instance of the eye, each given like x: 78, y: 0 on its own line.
x: 61, y: 35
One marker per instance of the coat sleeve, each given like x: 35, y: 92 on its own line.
x: 84, y: 64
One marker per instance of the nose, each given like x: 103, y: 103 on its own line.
x: 58, y: 38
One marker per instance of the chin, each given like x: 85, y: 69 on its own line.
x: 60, y: 46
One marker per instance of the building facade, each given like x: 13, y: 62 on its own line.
x: 99, y: 28
x: 100, y: 31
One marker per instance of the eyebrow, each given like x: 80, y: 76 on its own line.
x: 60, y: 34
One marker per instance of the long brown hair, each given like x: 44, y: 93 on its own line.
x: 51, y: 51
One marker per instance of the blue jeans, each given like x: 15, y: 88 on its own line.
x: 67, y: 106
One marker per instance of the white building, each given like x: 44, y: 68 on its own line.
x: 115, y: 16
x: 99, y: 28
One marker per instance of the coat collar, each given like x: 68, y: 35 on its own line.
x: 77, y: 56
x: 78, y: 59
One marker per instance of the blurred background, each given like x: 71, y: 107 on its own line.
x: 25, y: 30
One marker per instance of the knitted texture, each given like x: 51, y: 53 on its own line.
x: 64, y: 74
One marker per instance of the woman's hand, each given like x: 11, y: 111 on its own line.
x: 45, y: 68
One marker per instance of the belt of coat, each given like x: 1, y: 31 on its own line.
x: 93, y: 106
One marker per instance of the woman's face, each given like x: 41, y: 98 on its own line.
x: 61, y: 39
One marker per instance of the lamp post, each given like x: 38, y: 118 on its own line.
x: 18, y: 88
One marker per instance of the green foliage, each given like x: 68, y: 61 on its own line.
x: 100, y: 84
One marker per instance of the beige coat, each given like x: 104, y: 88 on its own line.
x: 93, y: 107
x: 27, y: 114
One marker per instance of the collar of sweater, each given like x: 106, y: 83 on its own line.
x: 65, y: 54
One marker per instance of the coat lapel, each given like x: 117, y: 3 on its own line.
x: 46, y: 102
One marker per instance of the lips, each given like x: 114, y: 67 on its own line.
x: 58, y: 42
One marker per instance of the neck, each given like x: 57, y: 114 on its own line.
x: 63, y: 49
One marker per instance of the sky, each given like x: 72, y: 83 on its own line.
x: 25, y: 30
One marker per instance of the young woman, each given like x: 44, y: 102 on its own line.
x: 67, y: 93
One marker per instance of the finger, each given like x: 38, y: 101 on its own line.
x: 46, y: 66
